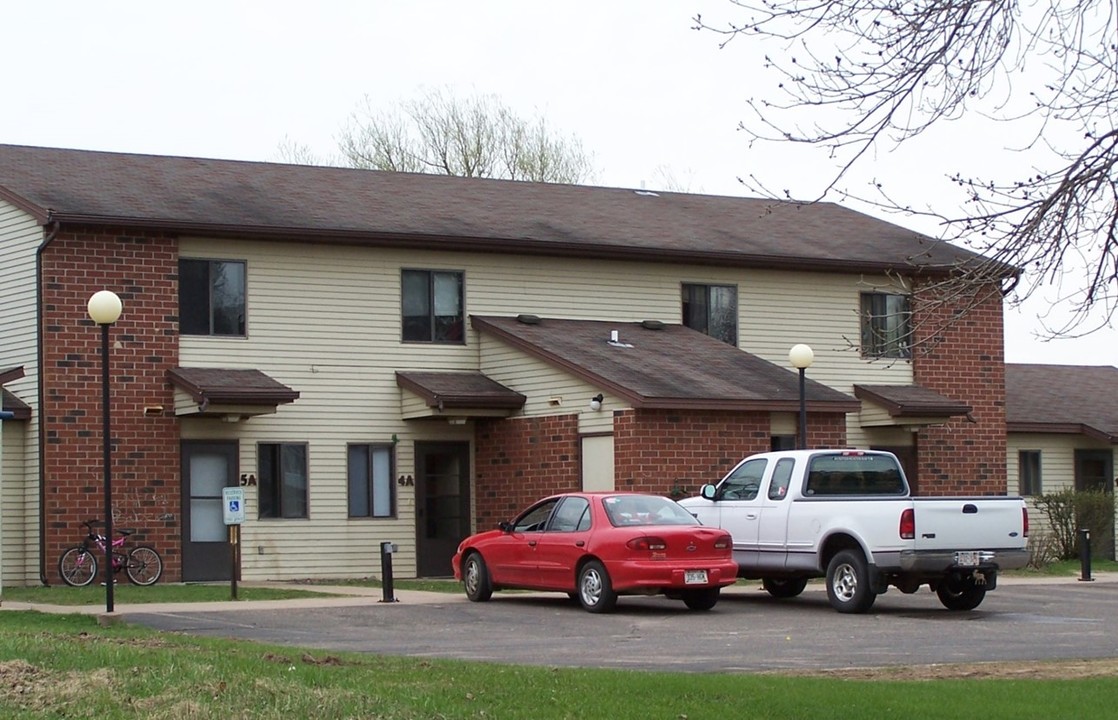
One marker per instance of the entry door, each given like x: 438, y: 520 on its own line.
x: 442, y: 504
x: 207, y: 467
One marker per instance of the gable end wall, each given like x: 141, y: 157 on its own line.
x: 142, y: 268
x: 964, y: 361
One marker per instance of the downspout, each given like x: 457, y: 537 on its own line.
x: 52, y: 232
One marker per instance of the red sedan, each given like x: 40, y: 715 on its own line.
x: 596, y: 546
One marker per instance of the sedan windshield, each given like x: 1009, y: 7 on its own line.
x: 629, y: 510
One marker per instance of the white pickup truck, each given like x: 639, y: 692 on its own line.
x: 847, y: 515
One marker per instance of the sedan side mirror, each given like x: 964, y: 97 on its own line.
x: 504, y: 526
x: 708, y: 492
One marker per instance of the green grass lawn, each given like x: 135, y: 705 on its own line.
x: 66, y: 666
x: 125, y: 594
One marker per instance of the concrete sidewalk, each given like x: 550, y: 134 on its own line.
x: 353, y: 596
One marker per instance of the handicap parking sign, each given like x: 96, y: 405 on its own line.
x: 233, y: 505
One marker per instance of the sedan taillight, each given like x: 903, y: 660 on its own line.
x: 724, y: 543
x: 647, y: 544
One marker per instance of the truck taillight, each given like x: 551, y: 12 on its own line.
x: 647, y: 544
x: 1025, y: 520
x: 724, y: 543
x: 908, y: 524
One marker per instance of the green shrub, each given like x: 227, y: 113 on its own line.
x: 1069, y: 510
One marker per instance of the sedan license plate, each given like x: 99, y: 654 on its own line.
x: 695, y: 577
x: 967, y: 558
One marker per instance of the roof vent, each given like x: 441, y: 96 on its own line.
x: 652, y: 325
x: 528, y: 319
x: 615, y: 340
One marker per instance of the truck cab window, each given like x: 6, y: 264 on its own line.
x: 782, y: 475
x: 745, y: 481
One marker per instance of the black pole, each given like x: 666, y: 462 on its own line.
x: 1085, y: 555
x: 107, y: 443
x: 803, y: 411
x: 386, y: 572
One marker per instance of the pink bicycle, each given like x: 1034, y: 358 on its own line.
x: 78, y: 565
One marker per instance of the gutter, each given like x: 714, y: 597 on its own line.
x: 52, y: 232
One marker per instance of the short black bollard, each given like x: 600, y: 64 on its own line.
x: 386, y: 550
x: 1085, y: 555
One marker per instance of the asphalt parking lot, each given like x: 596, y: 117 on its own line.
x: 748, y: 631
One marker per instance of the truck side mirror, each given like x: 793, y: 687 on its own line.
x: 708, y: 492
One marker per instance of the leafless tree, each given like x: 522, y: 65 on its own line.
x: 471, y: 137
x: 293, y: 152
x: 861, y: 76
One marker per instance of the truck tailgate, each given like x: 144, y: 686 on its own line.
x: 961, y: 523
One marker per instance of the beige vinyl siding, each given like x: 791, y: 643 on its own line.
x: 20, y: 237
x: 1057, y: 464
x: 326, y: 322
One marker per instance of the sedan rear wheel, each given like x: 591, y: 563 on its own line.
x: 476, y: 578
x: 595, y: 591
x: 701, y: 599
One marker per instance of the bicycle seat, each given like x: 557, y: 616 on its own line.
x: 125, y: 531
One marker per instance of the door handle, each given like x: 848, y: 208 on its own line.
x: 751, y: 516
x: 531, y: 543
x: 580, y: 543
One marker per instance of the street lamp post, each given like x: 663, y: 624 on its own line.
x: 801, y: 357
x: 104, y: 308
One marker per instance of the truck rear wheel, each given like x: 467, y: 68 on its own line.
x: 848, y: 583
x: 958, y: 593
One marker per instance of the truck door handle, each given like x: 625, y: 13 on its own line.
x: 751, y: 516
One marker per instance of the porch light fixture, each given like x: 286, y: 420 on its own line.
x: 801, y: 356
x: 596, y: 402
x: 104, y: 309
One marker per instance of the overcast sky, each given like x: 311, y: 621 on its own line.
x: 648, y: 96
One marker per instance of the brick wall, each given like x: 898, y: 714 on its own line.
x: 519, y: 460
x: 662, y: 451
x: 962, y: 357
x: 142, y: 269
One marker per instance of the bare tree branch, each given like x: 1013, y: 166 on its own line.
x: 474, y: 137
x: 856, y: 76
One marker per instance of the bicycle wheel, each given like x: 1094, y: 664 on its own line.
x: 77, y: 567
x: 144, y: 566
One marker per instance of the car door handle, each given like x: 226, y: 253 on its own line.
x: 531, y: 543
x: 580, y: 543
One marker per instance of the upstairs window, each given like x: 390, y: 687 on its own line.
x: 431, y: 304
x: 712, y: 310
x: 211, y: 297
x: 1028, y: 472
x: 886, y: 326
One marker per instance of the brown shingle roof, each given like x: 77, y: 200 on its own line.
x: 18, y: 408
x: 305, y: 203
x: 222, y: 385
x: 1062, y: 399
x: 457, y: 390
x: 673, y: 367
x: 911, y: 400
x: 8, y: 401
